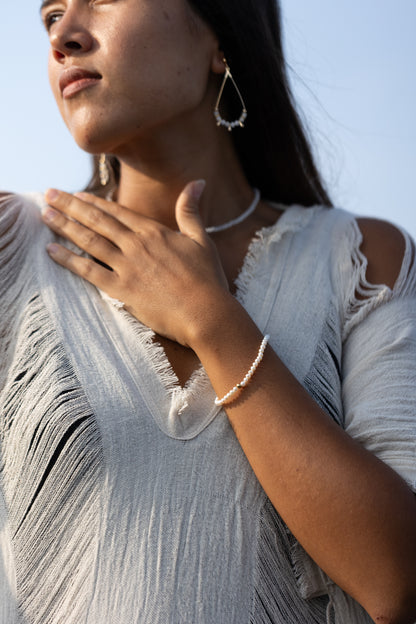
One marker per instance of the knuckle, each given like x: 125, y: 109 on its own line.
x: 155, y: 234
x: 132, y: 245
x: 65, y: 201
x: 129, y: 283
x: 68, y: 254
x: 150, y: 227
x: 87, y: 268
x: 64, y: 254
x: 117, y: 211
x: 95, y: 217
x: 59, y: 221
x: 89, y: 239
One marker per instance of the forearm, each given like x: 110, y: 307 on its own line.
x: 351, y: 512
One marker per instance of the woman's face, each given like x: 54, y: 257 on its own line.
x: 121, y: 67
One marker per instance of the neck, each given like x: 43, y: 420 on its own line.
x: 153, y: 175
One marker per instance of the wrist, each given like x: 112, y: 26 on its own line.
x: 230, y: 396
x: 221, y: 324
x: 213, y: 311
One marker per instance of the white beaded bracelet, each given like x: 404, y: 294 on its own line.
x: 247, y: 378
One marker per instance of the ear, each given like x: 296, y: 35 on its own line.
x: 217, y: 63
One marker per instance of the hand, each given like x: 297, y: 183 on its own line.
x: 167, y: 279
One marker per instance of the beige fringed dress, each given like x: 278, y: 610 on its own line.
x: 125, y: 499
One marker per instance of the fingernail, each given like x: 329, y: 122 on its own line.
x: 49, y: 214
x: 51, y: 194
x: 52, y: 248
x: 197, y: 189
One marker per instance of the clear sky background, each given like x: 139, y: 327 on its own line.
x: 353, y: 71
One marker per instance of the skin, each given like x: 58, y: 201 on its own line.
x: 153, y: 109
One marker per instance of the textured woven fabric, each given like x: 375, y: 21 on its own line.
x: 125, y: 499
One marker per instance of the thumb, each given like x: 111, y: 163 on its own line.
x: 187, y: 211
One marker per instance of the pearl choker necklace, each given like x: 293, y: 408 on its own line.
x: 209, y: 230
x: 224, y: 226
x: 242, y: 217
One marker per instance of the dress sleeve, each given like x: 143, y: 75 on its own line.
x: 379, y: 363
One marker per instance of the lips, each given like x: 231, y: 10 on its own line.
x: 75, y: 79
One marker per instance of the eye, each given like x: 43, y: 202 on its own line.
x: 51, y: 18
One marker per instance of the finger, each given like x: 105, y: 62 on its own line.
x: 90, y: 215
x: 127, y: 217
x: 86, y: 268
x: 86, y: 239
x: 187, y: 211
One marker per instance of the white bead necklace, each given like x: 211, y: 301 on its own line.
x: 210, y: 230
x: 242, y: 217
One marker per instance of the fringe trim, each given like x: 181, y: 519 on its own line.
x: 15, y: 232
x: 181, y: 413
x: 361, y: 296
x: 156, y: 357
x: 8, y: 609
x: 277, y: 599
x: 14, y: 235
x: 292, y: 220
x: 51, y: 471
x: 323, y: 381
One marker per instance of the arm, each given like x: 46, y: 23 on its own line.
x: 351, y: 512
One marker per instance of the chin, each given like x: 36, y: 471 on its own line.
x: 96, y: 138
x: 89, y: 131
x: 90, y: 140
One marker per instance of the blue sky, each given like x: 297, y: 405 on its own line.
x: 353, y: 72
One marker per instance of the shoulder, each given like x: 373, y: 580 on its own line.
x: 20, y: 227
x: 11, y: 202
x: 20, y: 221
x: 6, y: 199
x: 384, y: 247
x: 28, y: 205
x: 375, y: 266
x: 379, y: 247
x: 11, y: 211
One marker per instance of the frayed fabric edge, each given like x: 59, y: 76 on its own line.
x: 292, y: 220
x: 311, y: 580
x: 361, y: 296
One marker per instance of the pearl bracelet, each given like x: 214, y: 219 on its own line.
x: 247, y: 378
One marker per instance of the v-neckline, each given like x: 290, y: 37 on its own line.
x: 182, y: 412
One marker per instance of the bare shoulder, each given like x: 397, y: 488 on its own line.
x: 384, y: 246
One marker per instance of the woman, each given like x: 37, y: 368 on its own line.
x: 200, y: 424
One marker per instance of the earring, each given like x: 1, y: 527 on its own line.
x: 103, y: 170
x: 220, y: 121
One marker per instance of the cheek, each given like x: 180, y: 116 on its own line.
x: 53, y: 74
x: 168, y: 76
x: 160, y: 54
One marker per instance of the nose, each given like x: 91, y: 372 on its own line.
x: 70, y: 37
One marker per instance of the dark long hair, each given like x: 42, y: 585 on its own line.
x: 273, y: 148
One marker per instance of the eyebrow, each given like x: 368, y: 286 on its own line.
x: 45, y: 4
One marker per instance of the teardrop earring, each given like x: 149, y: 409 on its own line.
x: 103, y: 170
x: 220, y: 121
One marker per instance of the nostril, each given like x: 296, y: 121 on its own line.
x: 58, y: 55
x: 73, y: 45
